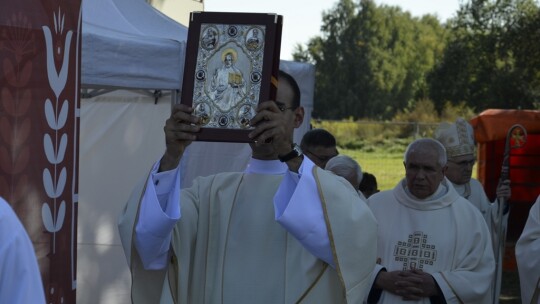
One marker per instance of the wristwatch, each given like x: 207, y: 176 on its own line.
x: 296, y: 152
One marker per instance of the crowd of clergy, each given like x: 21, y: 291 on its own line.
x: 429, y: 224
x: 301, y: 225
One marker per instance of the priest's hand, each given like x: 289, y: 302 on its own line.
x: 410, y: 285
x: 180, y: 129
x: 271, y: 128
x: 503, y: 190
x: 392, y: 281
x: 273, y: 133
x: 416, y: 284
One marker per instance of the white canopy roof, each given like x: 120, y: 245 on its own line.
x: 129, y: 44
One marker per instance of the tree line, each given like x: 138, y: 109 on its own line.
x: 378, y: 61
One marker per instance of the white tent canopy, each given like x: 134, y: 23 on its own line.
x: 127, y: 45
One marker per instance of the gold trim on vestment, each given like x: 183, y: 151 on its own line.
x: 329, y: 230
x: 325, y: 266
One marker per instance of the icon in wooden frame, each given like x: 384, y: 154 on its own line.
x: 231, y: 65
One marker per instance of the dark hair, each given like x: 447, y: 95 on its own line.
x: 368, y: 185
x: 294, y: 85
x: 317, y: 137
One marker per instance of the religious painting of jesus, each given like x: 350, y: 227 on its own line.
x: 231, y: 65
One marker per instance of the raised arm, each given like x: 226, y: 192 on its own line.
x: 180, y: 130
x: 154, y: 208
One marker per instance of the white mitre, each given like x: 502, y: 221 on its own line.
x: 457, y: 138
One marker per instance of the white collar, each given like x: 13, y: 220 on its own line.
x: 272, y: 167
x: 464, y: 189
x: 444, y: 196
x: 440, y: 192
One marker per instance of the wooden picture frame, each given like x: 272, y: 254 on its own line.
x: 232, y: 62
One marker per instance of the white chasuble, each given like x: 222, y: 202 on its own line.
x: 528, y: 257
x: 474, y: 193
x: 228, y: 248
x: 445, y: 237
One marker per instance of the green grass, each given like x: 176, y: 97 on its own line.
x: 387, y: 167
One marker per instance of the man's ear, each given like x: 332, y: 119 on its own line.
x: 298, y: 116
x: 444, y: 170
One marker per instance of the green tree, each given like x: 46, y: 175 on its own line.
x: 371, y: 60
x: 329, y: 52
x: 491, y: 60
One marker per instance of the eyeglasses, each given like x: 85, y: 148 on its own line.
x: 322, y: 158
x: 463, y: 163
x: 282, y: 107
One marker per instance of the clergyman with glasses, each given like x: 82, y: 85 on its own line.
x: 319, y: 145
x: 282, y: 231
x: 458, y: 139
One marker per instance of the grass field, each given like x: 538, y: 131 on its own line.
x: 388, y: 169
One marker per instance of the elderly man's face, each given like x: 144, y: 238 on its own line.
x: 460, y: 168
x: 423, y: 172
